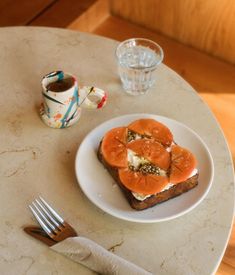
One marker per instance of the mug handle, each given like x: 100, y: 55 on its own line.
x: 98, y: 93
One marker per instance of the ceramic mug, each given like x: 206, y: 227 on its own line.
x: 62, y: 99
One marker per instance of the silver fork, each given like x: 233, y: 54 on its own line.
x: 51, y: 222
x: 57, y: 230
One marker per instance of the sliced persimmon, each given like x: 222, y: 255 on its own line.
x: 183, y: 162
x: 152, y: 128
x: 146, y: 184
x: 151, y: 150
x: 113, y: 147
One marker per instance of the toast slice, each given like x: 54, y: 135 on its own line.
x: 151, y: 200
x: 146, y: 163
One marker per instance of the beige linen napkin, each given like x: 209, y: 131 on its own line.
x: 95, y: 257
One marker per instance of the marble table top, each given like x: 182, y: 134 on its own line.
x: 37, y: 160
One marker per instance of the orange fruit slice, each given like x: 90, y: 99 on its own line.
x: 183, y: 163
x: 152, y: 128
x: 113, y: 147
x: 146, y: 184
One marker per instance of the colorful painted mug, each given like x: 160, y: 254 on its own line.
x: 62, y: 99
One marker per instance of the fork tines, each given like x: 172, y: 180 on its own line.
x: 46, y: 216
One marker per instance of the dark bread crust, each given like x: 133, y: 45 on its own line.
x: 172, y: 192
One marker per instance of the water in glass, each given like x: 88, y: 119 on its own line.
x: 136, y: 69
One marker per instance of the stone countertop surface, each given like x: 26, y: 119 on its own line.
x: 38, y: 160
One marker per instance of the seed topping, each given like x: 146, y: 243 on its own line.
x: 146, y: 168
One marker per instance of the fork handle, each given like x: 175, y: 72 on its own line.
x: 95, y: 257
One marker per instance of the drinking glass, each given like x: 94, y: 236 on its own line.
x: 138, y: 59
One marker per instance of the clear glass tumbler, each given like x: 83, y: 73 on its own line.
x: 138, y: 59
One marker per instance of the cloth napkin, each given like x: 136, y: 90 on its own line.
x: 96, y: 258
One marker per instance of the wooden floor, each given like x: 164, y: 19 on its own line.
x: 213, y: 79
x: 53, y: 13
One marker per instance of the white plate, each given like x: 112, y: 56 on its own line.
x: 101, y: 189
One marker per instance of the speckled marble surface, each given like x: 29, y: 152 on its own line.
x: 35, y: 159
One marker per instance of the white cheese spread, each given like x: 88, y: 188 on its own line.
x: 194, y: 172
x: 134, y: 160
